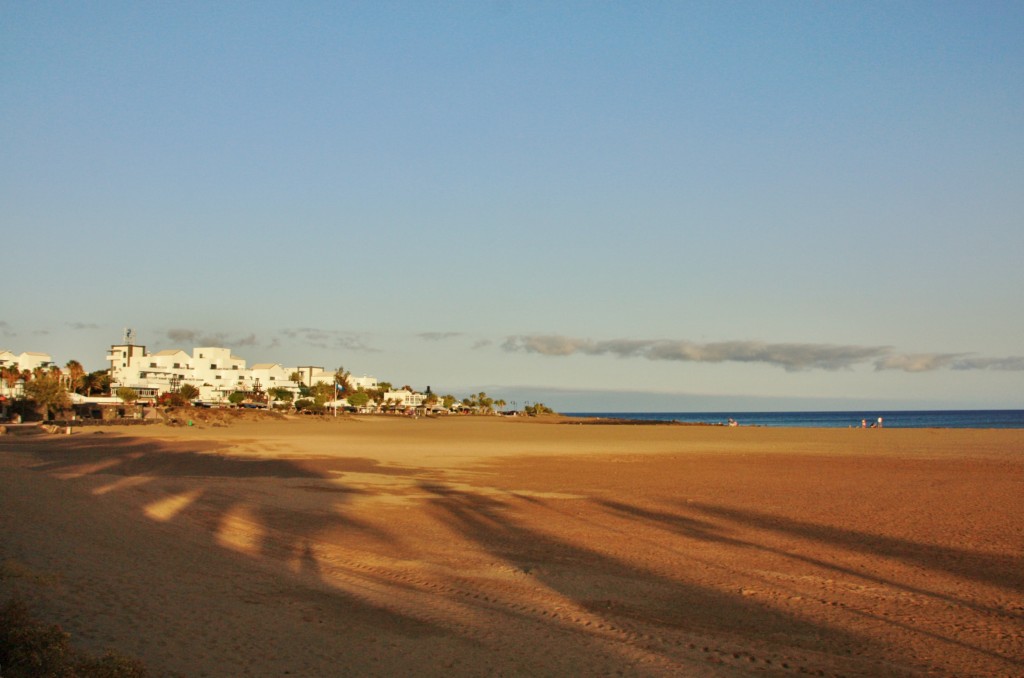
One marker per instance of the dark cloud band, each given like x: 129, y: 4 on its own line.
x: 789, y: 356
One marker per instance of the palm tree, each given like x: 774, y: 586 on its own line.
x: 76, y: 375
x: 94, y: 382
x: 188, y: 392
x: 11, y: 375
x: 341, y: 379
x: 48, y: 392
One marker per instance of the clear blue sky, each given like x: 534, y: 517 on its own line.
x: 704, y: 205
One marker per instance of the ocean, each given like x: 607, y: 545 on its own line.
x: 890, y: 418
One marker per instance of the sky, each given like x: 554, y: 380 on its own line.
x: 600, y: 206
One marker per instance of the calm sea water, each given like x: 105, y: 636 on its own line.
x: 891, y: 419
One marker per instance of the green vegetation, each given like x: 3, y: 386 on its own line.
x: 47, y: 391
x: 75, y: 376
x: 188, y: 392
x: 482, y: 403
x: 171, y: 399
x: 127, y: 395
x: 10, y: 374
x: 341, y: 379
x: 31, y: 649
x: 96, y: 383
x: 281, y: 393
x: 358, y: 399
x: 322, y: 392
x: 538, y: 408
x: 308, y: 405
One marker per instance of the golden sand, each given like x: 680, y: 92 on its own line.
x: 483, y: 546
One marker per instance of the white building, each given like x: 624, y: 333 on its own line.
x: 213, y: 370
x: 311, y: 375
x: 404, y: 399
x: 29, y: 360
x: 363, y: 382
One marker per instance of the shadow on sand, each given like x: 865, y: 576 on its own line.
x: 184, y: 488
x: 656, y: 605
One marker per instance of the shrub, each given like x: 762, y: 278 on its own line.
x: 127, y: 394
x: 110, y: 665
x: 172, y: 400
x: 30, y: 649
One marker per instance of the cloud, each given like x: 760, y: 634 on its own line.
x: 926, y: 362
x: 330, y: 340
x: 792, y: 357
x: 438, y: 336
x: 194, y: 338
x: 1010, y: 364
x: 917, y: 362
x: 180, y: 336
x: 246, y: 341
x: 82, y: 326
x: 548, y: 345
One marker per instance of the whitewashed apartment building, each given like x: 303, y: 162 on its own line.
x: 213, y: 370
x: 27, y: 360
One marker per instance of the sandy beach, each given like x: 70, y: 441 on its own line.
x: 384, y: 546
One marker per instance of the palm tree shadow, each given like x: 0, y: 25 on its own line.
x: 999, y: 570
x: 614, y: 588
x: 715, y: 523
x: 187, y: 481
x: 128, y: 457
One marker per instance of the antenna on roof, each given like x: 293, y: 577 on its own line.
x: 129, y: 336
